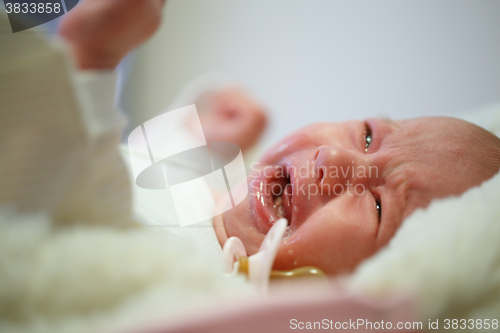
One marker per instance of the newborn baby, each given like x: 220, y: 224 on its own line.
x: 345, y: 188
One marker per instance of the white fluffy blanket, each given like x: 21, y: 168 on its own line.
x: 447, y: 256
x: 80, y: 279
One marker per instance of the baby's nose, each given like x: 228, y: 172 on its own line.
x: 334, y: 164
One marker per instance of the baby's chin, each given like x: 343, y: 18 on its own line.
x: 239, y: 222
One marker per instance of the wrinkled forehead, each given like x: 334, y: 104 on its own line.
x: 428, y: 128
x: 433, y: 157
x: 423, y: 138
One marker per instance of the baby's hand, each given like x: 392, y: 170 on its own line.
x: 231, y: 115
x: 101, y: 32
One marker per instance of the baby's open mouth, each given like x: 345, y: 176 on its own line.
x: 272, y: 197
x: 282, y: 197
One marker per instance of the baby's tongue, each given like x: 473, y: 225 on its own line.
x: 279, y: 209
x: 282, y: 204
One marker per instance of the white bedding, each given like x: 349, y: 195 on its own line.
x: 94, y: 279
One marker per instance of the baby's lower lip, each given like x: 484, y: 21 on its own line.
x: 263, y: 214
x: 266, y: 205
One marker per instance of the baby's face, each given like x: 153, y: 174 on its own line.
x: 345, y: 188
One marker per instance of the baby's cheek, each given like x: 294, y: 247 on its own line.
x: 330, y: 245
x: 238, y: 223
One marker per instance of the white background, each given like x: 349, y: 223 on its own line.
x: 324, y: 60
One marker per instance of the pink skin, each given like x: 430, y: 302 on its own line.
x: 100, y: 33
x: 417, y: 160
x: 231, y: 115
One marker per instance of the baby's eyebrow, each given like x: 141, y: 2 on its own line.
x: 384, y: 117
x: 389, y: 125
x: 387, y: 119
x: 393, y: 123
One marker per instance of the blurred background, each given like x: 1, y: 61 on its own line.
x: 324, y: 60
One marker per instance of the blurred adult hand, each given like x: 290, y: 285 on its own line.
x: 100, y: 33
